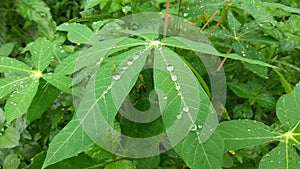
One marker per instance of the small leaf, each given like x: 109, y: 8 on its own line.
x: 287, y: 109
x: 59, y: 81
x: 6, y: 49
x: 239, y: 134
x: 10, y: 138
x: 240, y: 89
x: 121, y: 164
x: 70, y: 141
x: 12, y: 65
x: 11, y: 161
x: 20, y: 100
x: 77, y: 33
x: 41, y: 53
x: 266, y: 100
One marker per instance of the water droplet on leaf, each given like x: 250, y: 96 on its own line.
x: 179, y: 116
x: 116, y: 76
x: 174, y: 77
x: 129, y: 62
x: 186, y: 109
x: 170, y: 68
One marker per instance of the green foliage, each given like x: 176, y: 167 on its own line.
x: 92, y: 65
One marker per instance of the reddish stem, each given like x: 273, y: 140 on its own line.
x: 166, y: 19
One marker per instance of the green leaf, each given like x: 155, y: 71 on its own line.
x: 59, y: 81
x: 6, y: 49
x: 240, y: 89
x: 287, y: 109
x: 20, y: 100
x: 77, y: 33
x: 266, y: 100
x: 283, y: 156
x: 44, y: 97
x: 39, y: 12
x: 112, y: 87
x: 2, y: 118
x: 90, y: 3
x: 12, y: 65
x: 11, y: 161
x: 126, y: 164
x: 201, y: 155
x: 180, y: 42
x: 280, y: 6
x: 41, y: 53
x: 9, y: 84
x: 10, y: 138
x: 239, y: 134
x: 148, y: 163
x: 258, y: 13
x: 70, y: 141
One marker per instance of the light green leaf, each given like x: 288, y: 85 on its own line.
x: 283, y: 156
x: 70, y: 141
x: 11, y: 161
x: 67, y: 65
x: 44, y: 97
x: 20, y: 100
x: 41, y: 53
x: 180, y: 42
x: 287, y: 109
x: 239, y: 134
x: 258, y: 13
x: 59, y: 81
x: 10, y: 138
x: 9, y: 84
x: 90, y: 3
x: 12, y: 65
x: 2, y: 118
x: 126, y: 164
x: 280, y: 6
x: 233, y: 24
x: 6, y: 49
x: 77, y: 33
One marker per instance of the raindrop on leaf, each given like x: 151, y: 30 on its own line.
x: 174, y: 77
x: 170, y: 68
x: 116, y: 76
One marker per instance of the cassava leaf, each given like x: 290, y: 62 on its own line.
x: 287, y: 108
x: 41, y: 53
x: 77, y: 33
x: 239, y: 134
x: 12, y: 65
x: 19, y: 101
x: 59, y: 81
x: 70, y: 141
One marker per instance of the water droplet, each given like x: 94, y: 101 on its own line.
x: 94, y: 23
x: 129, y: 62
x: 67, y: 24
x: 170, y: 68
x: 248, y: 129
x: 177, y: 87
x: 179, y: 116
x: 200, y: 126
x: 14, y: 103
x: 35, y: 52
x: 186, y: 109
x: 135, y: 57
x: 15, y: 85
x: 174, y: 77
x: 165, y: 97
x: 142, y: 51
x: 116, y: 76
x: 11, y: 95
x: 104, y: 92
x: 185, y: 14
x: 78, y: 44
x: 124, y: 68
x: 113, y: 46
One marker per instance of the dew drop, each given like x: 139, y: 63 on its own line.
x: 124, y: 68
x: 185, y: 14
x: 116, y: 76
x: 104, y: 92
x: 14, y: 103
x: 170, y: 68
x: 179, y: 116
x: 177, y: 87
x: 135, y: 57
x: 174, y: 77
x: 186, y: 109
x: 248, y: 129
x: 129, y: 62
x: 35, y: 52
x: 200, y: 126
x: 67, y: 24
x: 165, y: 97
x: 193, y: 128
x: 113, y: 46
x: 142, y: 51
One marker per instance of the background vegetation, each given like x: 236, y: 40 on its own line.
x: 260, y: 99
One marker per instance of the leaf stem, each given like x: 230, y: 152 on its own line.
x: 166, y: 19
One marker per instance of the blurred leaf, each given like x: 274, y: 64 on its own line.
x: 6, y: 49
x: 11, y: 161
x: 10, y: 138
x: 126, y: 164
x: 77, y: 33
x: 39, y: 12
